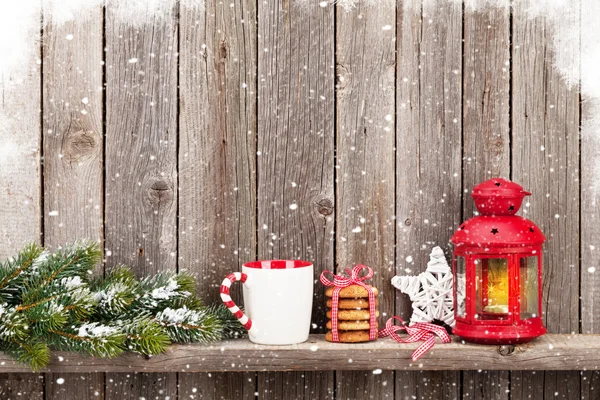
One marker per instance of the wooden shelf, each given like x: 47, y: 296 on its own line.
x: 550, y: 352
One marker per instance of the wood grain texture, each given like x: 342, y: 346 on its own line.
x: 427, y: 385
x: 86, y: 386
x: 553, y: 352
x: 295, y: 148
x: 365, y: 210
x: 483, y: 385
x: 590, y: 196
x: 217, y: 386
x: 20, y: 143
x: 141, y: 167
x: 21, y: 386
x: 590, y: 182
x: 486, y: 136
x: 20, y: 164
x: 72, y: 126
x: 136, y: 386
x: 217, y: 160
x: 486, y: 99
x: 428, y: 137
x: 545, y: 132
x: 297, y: 385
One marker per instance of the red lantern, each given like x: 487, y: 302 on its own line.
x: 497, y: 269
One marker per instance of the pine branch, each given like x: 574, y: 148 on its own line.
x: 146, y: 336
x: 13, y: 324
x: 13, y: 271
x: 186, y: 326
x: 166, y: 290
x: 72, y: 261
x: 232, y: 328
x: 115, y: 293
x: 47, y: 301
x: 96, y: 339
x: 33, y: 353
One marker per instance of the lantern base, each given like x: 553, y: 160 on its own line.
x: 523, y: 332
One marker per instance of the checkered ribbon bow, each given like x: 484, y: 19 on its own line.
x: 418, y: 331
x: 341, y: 281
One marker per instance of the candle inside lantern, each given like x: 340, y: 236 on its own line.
x: 492, y: 288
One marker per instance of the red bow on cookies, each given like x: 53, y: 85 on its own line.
x: 341, y: 281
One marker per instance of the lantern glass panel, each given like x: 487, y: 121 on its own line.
x: 528, y: 273
x: 491, y: 288
x: 461, y: 287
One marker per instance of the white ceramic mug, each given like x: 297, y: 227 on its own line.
x: 278, y: 297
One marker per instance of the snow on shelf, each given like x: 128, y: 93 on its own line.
x: 550, y: 352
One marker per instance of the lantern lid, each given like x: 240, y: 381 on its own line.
x: 498, y: 196
x: 502, y: 231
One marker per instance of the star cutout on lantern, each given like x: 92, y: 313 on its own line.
x: 430, y: 291
x: 494, y: 231
x: 511, y: 208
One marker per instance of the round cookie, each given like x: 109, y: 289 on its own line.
x: 349, y: 337
x: 351, y: 325
x: 353, y: 315
x: 352, y: 304
x: 352, y: 292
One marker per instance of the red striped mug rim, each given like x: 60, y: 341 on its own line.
x: 277, y: 264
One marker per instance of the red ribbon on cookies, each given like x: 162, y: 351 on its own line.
x: 341, y: 281
x: 418, y: 331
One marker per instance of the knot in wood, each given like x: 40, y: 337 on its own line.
x: 223, y: 49
x: 341, y: 76
x: 325, y: 206
x: 506, y: 350
x: 407, y: 222
x: 79, y: 144
x: 160, y: 192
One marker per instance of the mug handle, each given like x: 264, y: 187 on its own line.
x: 235, y: 310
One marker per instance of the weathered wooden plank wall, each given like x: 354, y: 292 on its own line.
x: 545, y: 159
x: 486, y: 137
x: 141, y: 168
x: 21, y: 173
x: 590, y: 204
x: 365, y: 212
x: 296, y: 157
x: 218, y: 134
x: 72, y: 127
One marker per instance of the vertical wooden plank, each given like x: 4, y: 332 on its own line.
x: 295, y: 152
x: 217, y: 386
x: 296, y: 385
x: 429, y: 385
x: 545, y: 132
x: 365, y: 69
x: 486, y: 99
x: 20, y: 172
x: 486, y: 136
x: 485, y: 385
x: 590, y: 190
x: 72, y: 126
x: 75, y: 386
x: 20, y: 194
x: 22, y: 386
x: 138, y: 386
x: 217, y: 161
x: 141, y: 160
x: 428, y: 162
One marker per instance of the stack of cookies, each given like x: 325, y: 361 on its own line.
x: 353, y: 314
